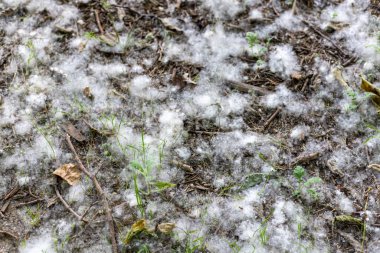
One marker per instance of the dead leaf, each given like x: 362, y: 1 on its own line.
x: 69, y: 172
x: 348, y: 219
x: 87, y: 93
x: 374, y: 167
x: 170, y: 25
x: 136, y: 228
x: 74, y: 132
x: 110, y: 39
x: 369, y: 87
x: 351, y: 239
x: 339, y: 76
x: 166, y: 228
x: 296, y: 75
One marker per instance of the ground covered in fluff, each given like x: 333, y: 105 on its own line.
x: 210, y: 125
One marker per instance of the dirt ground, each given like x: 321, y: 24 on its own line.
x: 30, y: 201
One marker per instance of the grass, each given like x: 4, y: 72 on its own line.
x: 34, y: 215
x: 299, y: 174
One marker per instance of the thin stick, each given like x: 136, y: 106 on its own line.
x: 98, y: 22
x: 100, y: 192
x: 310, y: 25
x: 28, y: 203
x: 8, y: 233
x: 272, y: 117
x: 294, y: 7
x: 65, y: 204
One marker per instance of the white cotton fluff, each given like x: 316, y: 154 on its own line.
x: 300, y: 132
x: 76, y: 193
x: 255, y: 15
x: 141, y: 86
x: 289, y: 21
x: 171, y: 125
x: 223, y: 9
x: 23, y: 127
x: 285, y: 98
x: 345, y: 204
x: 108, y: 70
x: 36, y: 101
x: 283, y: 61
x: 246, y: 230
x: 183, y: 152
x: 218, y: 244
x: 38, y: 244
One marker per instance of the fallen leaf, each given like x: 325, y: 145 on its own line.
x: 166, y: 228
x: 375, y: 92
x: 348, y: 219
x: 170, y: 25
x: 87, y: 93
x: 69, y: 172
x: 339, y: 76
x: 296, y: 75
x: 109, y: 39
x: 74, y: 132
x: 374, y: 167
x: 136, y: 228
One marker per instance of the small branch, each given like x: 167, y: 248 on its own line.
x: 9, y: 234
x: 28, y: 203
x: 67, y: 205
x: 243, y: 87
x: 294, y: 7
x: 272, y: 117
x: 100, y: 191
x: 98, y: 22
x: 183, y: 166
x: 310, y: 25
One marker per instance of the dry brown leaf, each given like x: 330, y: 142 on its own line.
x: 87, y: 93
x: 74, y: 132
x: 69, y: 172
x: 369, y: 87
x: 166, y: 228
x: 110, y: 39
x: 339, y: 76
x: 136, y: 228
x: 296, y: 75
x: 374, y: 167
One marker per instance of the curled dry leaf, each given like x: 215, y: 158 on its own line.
x: 296, y: 75
x: 87, y: 93
x: 339, y: 76
x: 69, y: 172
x: 375, y: 92
x: 166, y: 228
x: 74, y: 132
x: 375, y: 167
x: 136, y: 228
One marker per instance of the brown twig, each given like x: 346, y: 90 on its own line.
x: 312, y: 26
x: 28, y: 203
x: 9, y: 234
x: 183, y: 166
x: 79, y: 217
x: 243, y: 87
x: 98, y: 22
x: 100, y: 191
x: 12, y: 192
x: 271, y: 118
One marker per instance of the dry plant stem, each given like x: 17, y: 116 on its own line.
x: 272, y: 117
x: 9, y: 234
x: 310, y: 25
x: 67, y: 205
x: 100, y: 192
x: 294, y: 7
x: 98, y: 22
